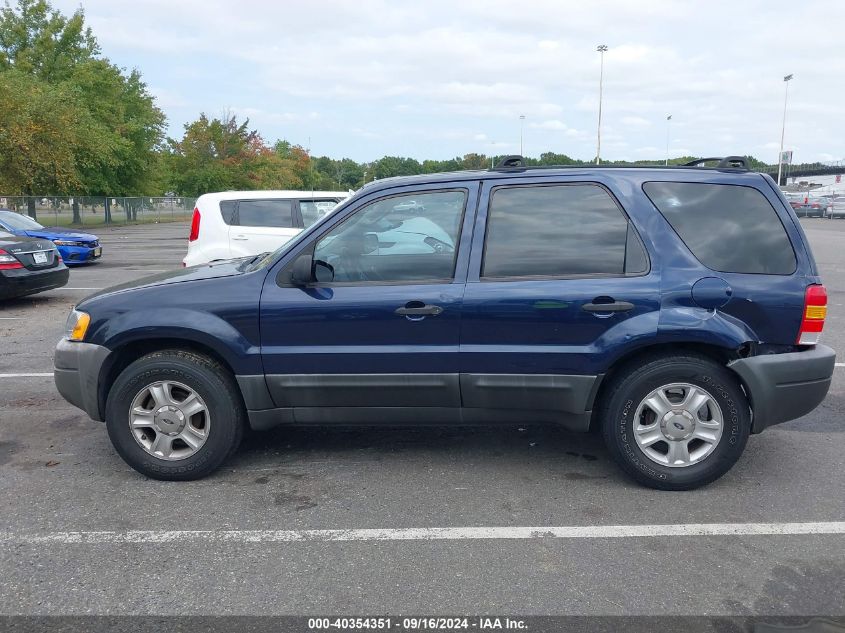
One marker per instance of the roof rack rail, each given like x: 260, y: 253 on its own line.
x: 514, y: 161
x: 737, y: 162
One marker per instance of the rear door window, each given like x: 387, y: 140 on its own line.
x: 270, y: 213
x: 559, y: 231
x: 729, y: 228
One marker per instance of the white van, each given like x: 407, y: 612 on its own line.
x: 233, y: 224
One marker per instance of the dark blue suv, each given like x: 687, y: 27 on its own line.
x: 676, y: 310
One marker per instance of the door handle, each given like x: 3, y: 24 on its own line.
x: 613, y: 306
x: 418, y: 309
x: 240, y: 237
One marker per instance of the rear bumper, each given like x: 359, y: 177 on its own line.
x: 22, y: 281
x: 783, y: 387
x: 77, y: 374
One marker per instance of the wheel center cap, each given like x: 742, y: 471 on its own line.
x: 169, y: 420
x: 678, y: 424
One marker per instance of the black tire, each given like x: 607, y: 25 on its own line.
x: 214, y: 384
x: 634, y: 382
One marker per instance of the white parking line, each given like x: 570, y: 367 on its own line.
x: 67, y: 288
x: 428, y: 534
x: 44, y: 375
x: 839, y: 364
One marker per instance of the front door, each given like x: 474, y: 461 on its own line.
x: 383, y: 332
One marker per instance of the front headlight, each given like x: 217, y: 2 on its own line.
x: 77, y: 325
x: 66, y: 243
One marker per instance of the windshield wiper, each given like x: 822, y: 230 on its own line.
x: 248, y: 264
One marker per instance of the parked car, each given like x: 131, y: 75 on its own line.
x: 74, y: 247
x: 837, y: 207
x: 806, y: 205
x: 678, y: 310
x: 28, y: 266
x: 234, y: 224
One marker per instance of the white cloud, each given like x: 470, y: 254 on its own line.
x: 401, y: 74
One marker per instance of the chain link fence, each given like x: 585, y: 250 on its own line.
x: 99, y: 210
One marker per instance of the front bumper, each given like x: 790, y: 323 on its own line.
x: 80, y: 254
x: 77, y: 374
x: 783, y: 387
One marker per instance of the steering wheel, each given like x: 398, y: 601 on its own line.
x: 349, y: 265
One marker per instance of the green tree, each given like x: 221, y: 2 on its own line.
x: 37, y: 40
x: 102, y: 123
x: 221, y: 153
x: 48, y: 139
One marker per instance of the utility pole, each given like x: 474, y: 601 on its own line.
x: 602, y: 49
x: 786, y: 81
x: 521, y: 127
x: 668, y: 119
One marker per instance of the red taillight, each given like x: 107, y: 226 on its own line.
x: 8, y: 262
x: 815, y: 311
x: 815, y: 205
x: 195, y: 226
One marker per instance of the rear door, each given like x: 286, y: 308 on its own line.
x: 559, y: 279
x: 260, y: 226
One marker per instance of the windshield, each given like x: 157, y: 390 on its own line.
x: 18, y: 222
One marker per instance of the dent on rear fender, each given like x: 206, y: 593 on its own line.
x: 630, y: 333
x: 698, y: 325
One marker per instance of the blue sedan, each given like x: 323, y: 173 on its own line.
x: 74, y: 247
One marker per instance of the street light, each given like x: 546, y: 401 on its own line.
x: 786, y: 81
x: 602, y: 49
x: 521, y: 126
x: 668, y: 118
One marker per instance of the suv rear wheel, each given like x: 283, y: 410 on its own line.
x: 175, y: 415
x: 675, y: 423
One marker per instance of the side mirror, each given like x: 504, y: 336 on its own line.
x: 323, y: 272
x: 306, y: 271
x: 371, y: 244
x: 302, y: 272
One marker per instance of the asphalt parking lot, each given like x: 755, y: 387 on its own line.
x: 59, y: 476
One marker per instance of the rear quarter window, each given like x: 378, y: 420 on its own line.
x: 227, y: 210
x: 729, y: 228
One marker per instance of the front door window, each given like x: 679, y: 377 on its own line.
x: 401, y: 239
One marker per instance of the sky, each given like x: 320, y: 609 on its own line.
x: 438, y: 79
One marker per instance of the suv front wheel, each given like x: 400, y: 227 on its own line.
x: 175, y: 415
x: 675, y: 423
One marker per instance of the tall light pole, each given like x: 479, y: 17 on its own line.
x: 521, y: 126
x: 668, y: 119
x: 602, y: 49
x: 786, y: 80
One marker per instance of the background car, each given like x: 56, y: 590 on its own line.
x: 233, y: 224
x: 28, y: 266
x: 74, y: 247
x: 837, y: 207
x: 806, y: 205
